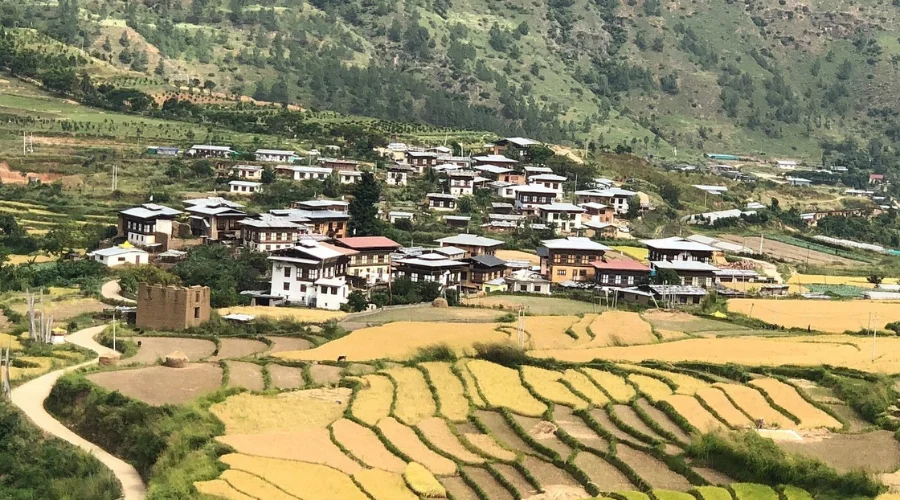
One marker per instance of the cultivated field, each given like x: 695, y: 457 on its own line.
x: 790, y: 253
x: 535, y: 305
x: 159, y: 385
x: 823, y: 315
x: 295, y: 313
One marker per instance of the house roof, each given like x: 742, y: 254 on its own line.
x: 493, y: 169
x: 458, y: 217
x: 494, y: 159
x: 151, y: 211
x: 367, y: 242
x: 534, y: 188
x: 300, y: 168
x: 446, y: 251
x: 250, y: 168
x: 441, y: 195
x: 574, y: 243
x: 469, y: 240
x: 519, y: 141
x: 210, y: 147
x: 117, y: 250
x: 488, y: 261
x: 215, y: 210
x: 546, y: 177
x: 245, y: 183
x: 526, y: 275
x: 683, y: 265
x: 303, y: 215
x: 711, y: 189
x: 400, y: 214
x: 676, y: 243
x: 312, y: 249
x: 431, y: 263
x: 423, y: 154
x: 620, y: 265
x: 323, y: 203
x: 283, y: 152
x: 542, y: 170
x: 560, y: 207
x: 267, y: 221
x: 678, y: 290
x: 213, y: 201
x: 593, y: 204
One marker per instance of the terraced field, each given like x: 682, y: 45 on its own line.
x: 477, y: 429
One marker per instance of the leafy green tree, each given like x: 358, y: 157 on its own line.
x: 279, y: 92
x: 356, y: 301
x: 107, y: 46
x: 364, y: 207
x: 666, y: 277
x: 670, y: 193
x: 160, y: 69
x: 124, y: 41
x: 669, y: 83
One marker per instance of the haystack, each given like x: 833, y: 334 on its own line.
x: 439, y: 302
x: 176, y: 359
x: 109, y: 358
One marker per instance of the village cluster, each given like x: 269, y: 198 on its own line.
x: 316, y: 263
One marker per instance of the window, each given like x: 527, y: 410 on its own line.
x: 121, y: 259
x: 302, y: 288
x: 560, y: 272
x: 523, y: 288
x: 604, y: 279
x: 287, y: 272
x: 631, y: 280
x: 695, y: 281
x: 287, y: 287
x: 196, y: 313
x: 618, y: 279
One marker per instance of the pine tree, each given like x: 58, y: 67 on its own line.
x: 160, y: 69
x: 123, y: 40
x: 107, y: 45
x: 364, y: 207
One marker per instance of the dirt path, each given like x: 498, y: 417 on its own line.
x: 30, y: 396
x: 768, y: 269
x: 112, y: 291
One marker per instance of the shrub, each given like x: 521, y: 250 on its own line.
x: 502, y: 353
x: 435, y: 352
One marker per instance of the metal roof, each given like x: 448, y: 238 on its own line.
x: 676, y: 243
x: 151, y: 211
x: 683, y: 265
x: 471, y: 240
x: 574, y: 243
x: 283, y: 152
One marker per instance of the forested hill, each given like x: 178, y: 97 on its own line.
x: 775, y: 76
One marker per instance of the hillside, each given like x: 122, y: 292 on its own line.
x: 756, y: 77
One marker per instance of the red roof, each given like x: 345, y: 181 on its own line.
x: 876, y: 176
x: 367, y: 242
x: 620, y: 265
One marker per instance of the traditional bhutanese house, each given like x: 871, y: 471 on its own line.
x: 372, y: 262
x: 565, y: 217
x: 531, y: 196
x: 215, y: 219
x: 570, y: 259
x: 325, y: 222
x: 457, y: 221
x: 502, y: 207
x: 441, y: 201
x: 431, y: 267
x: 301, y: 173
x: 276, y: 155
x: 397, y: 215
x: 349, y: 176
x: 452, y: 253
x: 339, y: 164
x: 496, y: 160
x: 675, y: 248
x: 244, y: 187
x: 495, y: 285
x: 120, y: 255
x: 314, y: 205
x: 533, y: 170
x: 493, y: 171
x: 443, y: 168
x: 398, y: 175
x: 517, y: 146
x: 615, y: 197
x: 148, y: 225
x: 527, y: 281
x: 551, y: 181
x: 620, y: 272
x: 311, y: 274
x: 503, y: 189
x: 482, y: 269
x: 461, y: 182
x: 459, y: 161
x: 600, y: 229
x: 267, y: 232
x: 247, y: 172
x: 473, y: 244
x: 663, y: 295
x: 690, y: 272
x: 209, y: 151
x: 597, y: 212
x: 420, y: 160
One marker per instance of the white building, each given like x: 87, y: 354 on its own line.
x: 798, y: 181
x: 441, y: 202
x: 350, y: 176
x: 247, y: 172
x: 144, y: 224
x: 300, y: 173
x: 461, y: 182
x: 209, y: 151
x: 532, y: 170
x: 786, y: 164
x: 617, y: 198
x: 397, y: 215
x: 498, y: 160
x: 244, y: 187
x: 120, y: 255
x: 550, y: 181
x: 311, y: 274
x: 267, y: 233
x: 710, y: 218
x: 276, y: 155
x: 527, y: 281
x: 565, y: 216
x: 398, y: 175
x: 716, y: 190
x: 531, y: 196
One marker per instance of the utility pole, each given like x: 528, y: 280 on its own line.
x: 874, y: 337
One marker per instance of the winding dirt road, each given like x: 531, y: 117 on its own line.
x: 111, y: 290
x: 30, y: 396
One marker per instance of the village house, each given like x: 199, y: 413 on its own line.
x: 502, y: 189
x: 496, y: 160
x: 482, y: 269
x: 597, y: 213
x: 441, y: 202
x: 214, y: 218
x: 859, y: 193
x: 615, y: 197
x: 244, y: 187
x: 798, y: 181
x: 473, y: 244
x: 620, y: 272
x: 663, y: 295
x: 371, y: 264
x: 170, y: 308
x: 690, y: 272
x: 493, y: 171
x: 876, y: 178
x: 452, y: 253
x: 339, y: 164
x: 120, y: 255
x: 420, y: 160
x: 710, y: 218
x: 301, y: 173
x: 527, y: 281
x: 276, y: 155
x: 786, y: 164
x: 461, y: 182
x: 397, y: 215
x: 551, y: 181
x: 532, y: 170
x: 267, y: 232
x: 398, y: 175
x: 311, y: 274
x: 162, y: 150
x: 322, y: 204
x: 431, y: 267
x: 500, y: 207
x: 208, y: 151
x: 516, y: 146
x: 443, y: 168
x: 531, y: 196
x: 457, y: 221
x: 715, y: 190
x: 565, y: 217
x: 600, y: 229
x: 325, y: 222
x: 349, y: 176
x: 570, y: 259
x: 676, y: 248
x: 148, y: 225
x: 247, y: 172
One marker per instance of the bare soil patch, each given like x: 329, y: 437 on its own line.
x: 238, y: 348
x: 790, y: 253
x: 576, y: 428
x: 652, y: 470
x: 285, y: 377
x: 515, y: 478
x: 602, y: 473
x: 543, y: 431
x: 872, y: 452
x: 246, y: 375
x: 627, y: 415
x: 714, y: 477
x: 9, y: 176
x: 283, y: 344
x: 501, y: 430
x: 159, y: 385
x: 603, y: 419
x: 154, y: 348
x: 849, y: 415
x: 488, y: 484
x: 325, y: 374
x: 458, y: 488
x: 548, y: 474
x: 663, y: 420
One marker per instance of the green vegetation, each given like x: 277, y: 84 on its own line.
x: 37, y: 466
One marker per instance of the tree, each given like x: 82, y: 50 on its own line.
x: 356, y: 301
x: 670, y: 193
x: 107, y: 46
x: 160, y: 69
x: 123, y: 40
x: 669, y: 83
x: 875, y: 279
x: 667, y: 277
x: 279, y: 92
x: 364, y: 207
x: 634, y: 207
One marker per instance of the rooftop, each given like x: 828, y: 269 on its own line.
x: 469, y: 240
x: 494, y: 159
x: 676, y: 243
x: 150, y: 211
x: 431, y: 263
x: 267, y: 221
x: 493, y: 169
x: 488, y: 261
x: 560, y: 207
x: 368, y: 242
x: 534, y: 188
x: 283, y: 152
x: 210, y: 147
x: 547, y: 177
x: 620, y: 265
x: 213, y: 201
x: 683, y: 265
x: 117, y: 250
x: 519, y: 141
x: 574, y: 243
x: 244, y: 183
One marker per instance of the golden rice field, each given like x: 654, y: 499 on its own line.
x: 617, y: 328
x: 652, y: 387
x: 788, y: 398
x: 798, y: 282
x: 413, y: 398
x: 383, y: 485
x: 637, y: 253
x: 694, y: 412
x: 502, y: 387
x: 546, y: 384
x: 438, y: 433
x: 580, y: 328
x: 469, y: 382
x: 587, y: 388
x: 399, y: 341
x: 549, y: 332
x: 450, y: 392
x: 406, y: 440
x: 302, y: 314
x: 374, y: 402
x: 822, y: 315
x: 755, y: 405
x: 487, y: 446
x: 614, y: 385
x: 687, y: 385
x: 422, y: 482
x: 363, y: 444
x: 723, y: 407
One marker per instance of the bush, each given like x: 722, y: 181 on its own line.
x: 751, y: 458
x: 502, y: 353
x: 436, y: 352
